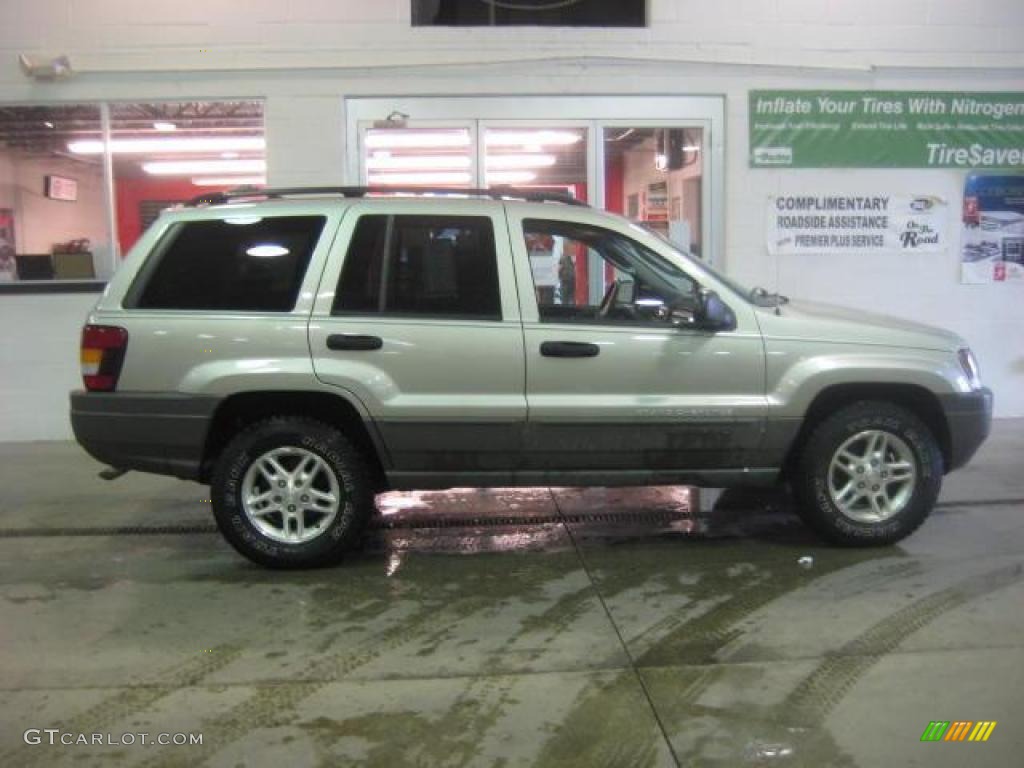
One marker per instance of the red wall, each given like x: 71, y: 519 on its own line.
x: 131, y: 192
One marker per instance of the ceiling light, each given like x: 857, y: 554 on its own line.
x: 178, y: 145
x: 165, y: 127
x: 48, y: 124
x: 531, y: 138
x: 267, y: 250
x: 426, y: 177
x: 187, y: 167
x: 510, y: 177
x: 520, y: 161
x: 394, y: 138
x: 418, y: 163
x: 229, y: 181
x: 229, y: 155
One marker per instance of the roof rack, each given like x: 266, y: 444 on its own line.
x: 495, y: 193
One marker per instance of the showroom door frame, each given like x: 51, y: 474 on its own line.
x: 594, y: 112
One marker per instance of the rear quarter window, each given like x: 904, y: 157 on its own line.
x: 245, y: 263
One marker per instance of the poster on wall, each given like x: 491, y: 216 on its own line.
x: 886, y: 129
x: 992, y: 240
x: 837, y: 223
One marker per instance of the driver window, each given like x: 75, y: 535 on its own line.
x: 586, y: 274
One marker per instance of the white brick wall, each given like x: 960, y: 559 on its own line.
x: 305, y: 56
x: 104, y: 35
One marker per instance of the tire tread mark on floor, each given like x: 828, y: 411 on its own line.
x: 839, y: 671
x: 129, y: 701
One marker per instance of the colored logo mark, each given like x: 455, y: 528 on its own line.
x: 958, y: 730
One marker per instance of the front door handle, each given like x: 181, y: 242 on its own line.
x: 351, y: 341
x: 569, y: 349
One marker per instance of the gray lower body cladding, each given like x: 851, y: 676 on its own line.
x: 149, y: 432
x: 969, y: 419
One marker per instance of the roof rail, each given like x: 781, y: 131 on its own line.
x: 495, y: 193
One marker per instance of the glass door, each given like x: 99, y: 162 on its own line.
x: 654, y: 175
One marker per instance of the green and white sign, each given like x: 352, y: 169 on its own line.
x: 886, y: 129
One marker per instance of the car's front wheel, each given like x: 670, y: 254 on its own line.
x: 869, y: 474
x: 291, y: 492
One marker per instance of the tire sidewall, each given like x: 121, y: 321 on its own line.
x: 236, y: 526
x: 824, y: 513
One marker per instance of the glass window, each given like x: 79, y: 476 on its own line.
x: 642, y: 286
x: 52, y: 202
x: 433, y: 266
x: 166, y: 153
x: 232, y: 264
x: 555, y: 13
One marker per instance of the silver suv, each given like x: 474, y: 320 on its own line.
x: 302, y: 350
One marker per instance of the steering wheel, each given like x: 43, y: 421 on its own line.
x: 610, y: 295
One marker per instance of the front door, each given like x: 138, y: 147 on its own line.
x: 417, y: 317
x: 615, y: 379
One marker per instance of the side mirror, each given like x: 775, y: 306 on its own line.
x: 713, y: 314
x: 627, y: 292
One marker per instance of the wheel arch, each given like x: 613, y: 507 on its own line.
x: 919, y: 400
x: 238, y: 411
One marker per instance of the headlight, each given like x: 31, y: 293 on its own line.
x: 970, y: 366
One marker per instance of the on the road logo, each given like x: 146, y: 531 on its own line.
x: 958, y: 730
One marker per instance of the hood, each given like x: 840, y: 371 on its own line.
x: 826, y: 322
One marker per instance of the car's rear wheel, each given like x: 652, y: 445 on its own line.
x: 291, y: 492
x: 869, y: 474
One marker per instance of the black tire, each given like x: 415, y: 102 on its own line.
x: 341, y: 457
x: 810, y: 482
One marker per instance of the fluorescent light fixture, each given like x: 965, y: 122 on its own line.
x: 425, y: 177
x: 229, y: 181
x: 418, y: 163
x: 510, y: 177
x: 188, y: 167
x: 531, y: 138
x: 503, y: 162
x: 164, y: 126
x: 394, y: 138
x: 171, y: 145
x: 267, y: 250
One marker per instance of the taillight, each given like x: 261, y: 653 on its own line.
x: 103, y: 348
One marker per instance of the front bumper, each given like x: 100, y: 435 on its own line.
x: 969, y: 418
x: 149, y: 432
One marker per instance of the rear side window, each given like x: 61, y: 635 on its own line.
x: 244, y: 263
x: 429, y: 266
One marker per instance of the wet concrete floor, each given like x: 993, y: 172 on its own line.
x: 537, y: 627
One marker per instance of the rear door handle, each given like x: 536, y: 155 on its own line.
x: 569, y: 349
x: 350, y: 341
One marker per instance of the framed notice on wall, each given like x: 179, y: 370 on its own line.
x: 992, y: 240
x: 61, y: 188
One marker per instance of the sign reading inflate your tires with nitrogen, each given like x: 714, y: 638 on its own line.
x: 886, y: 129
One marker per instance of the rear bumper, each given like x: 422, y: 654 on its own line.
x: 157, y: 433
x: 969, y: 417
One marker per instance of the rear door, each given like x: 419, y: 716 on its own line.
x: 417, y: 317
